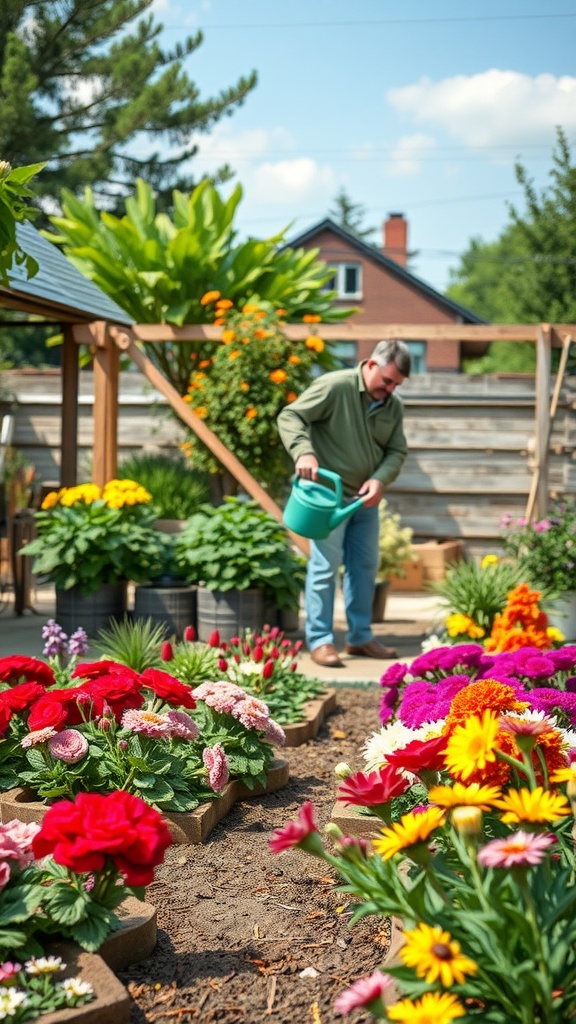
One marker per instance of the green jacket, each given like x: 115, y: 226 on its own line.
x: 333, y: 420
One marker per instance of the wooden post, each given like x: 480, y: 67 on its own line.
x: 124, y: 341
x: 543, y: 351
x: 69, y: 412
x: 106, y: 372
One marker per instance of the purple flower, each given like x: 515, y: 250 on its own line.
x: 78, y: 643
x: 424, y: 701
x: 446, y: 659
x: 388, y: 703
x: 527, y: 662
x: 546, y: 699
x: 564, y: 658
x: 55, y: 638
x: 395, y: 675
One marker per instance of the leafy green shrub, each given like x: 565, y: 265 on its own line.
x: 478, y: 591
x: 177, y: 489
x: 238, y: 546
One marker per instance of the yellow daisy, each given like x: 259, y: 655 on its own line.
x: 436, y: 956
x: 459, y: 795
x: 412, y: 829
x: 472, y: 745
x: 489, y: 560
x: 432, y: 1008
x: 538, y: 805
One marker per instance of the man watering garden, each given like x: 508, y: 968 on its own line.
x: 349, y: 422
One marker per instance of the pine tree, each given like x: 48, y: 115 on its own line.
x: 350, y: 215
x: 82, y: 82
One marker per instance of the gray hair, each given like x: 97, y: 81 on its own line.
x: 392, y: 350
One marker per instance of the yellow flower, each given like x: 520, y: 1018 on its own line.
x: 459, y: 795
x: 436, y: 956
x: 314, y: 343
x: 234, y: 354
x: 201, y: 412
x: 209, y: 297
x: 51, y: 499
x: 431, y: 1008
x: 311, y: 318
x: 224, y: 304
x: 186, y: 398
x: 538, y: 805
x: 458, y: 624
x: 295, y: 360
x: 83, y: 492
x: 554, y: 635
x: 228, y: 335
x: 278, y: 376
x: 251, y: 412
x: 412, y: 829
x: 489, y: 560
x: 472, y: 745
x: 249, y: 308
x: 244, y: 385
x: 467, y: 820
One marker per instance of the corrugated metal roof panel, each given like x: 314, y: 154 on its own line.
x: 60, y: 283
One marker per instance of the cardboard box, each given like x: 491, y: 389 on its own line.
x: 436, y: 555
x: 413, y: 580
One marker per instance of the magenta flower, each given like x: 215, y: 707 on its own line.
x: 395, y: 675
x: 564, y: 658
x: 364, y: 992
x: 546, y: 699
x: 443, y: 660
x: 68, y: 745
x: 216, y: 762
x: 519, y: 850
x: 543, y: 526
x: 302, y: 833
x: 425, y: 701
x: 388, y: 703
x: 8, y: 970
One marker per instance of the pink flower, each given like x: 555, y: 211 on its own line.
x: 147, y: 722
x: 217, y: 764
x: 4, y: 874
x: 275, y: 734
x: 521, y: 849
x: 252, y: 712
x: 182, y: 725
x: 8, y: 970
x: 543, y: 526
x: 22, y: 834
x: 221, y: 696
x: 69, y: 745
x: 372, y: 790
x: 302, y: 833
x: 364, y: 992
x: 37, y: 736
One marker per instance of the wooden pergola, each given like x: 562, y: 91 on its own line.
x: 109, y: 341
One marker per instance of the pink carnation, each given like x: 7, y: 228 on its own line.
x: 182, y: 725
x: 216, y: 762
x: 4, y: 873
x: 22, y: 834
x: 147, y: 722
x: 521, y: 849
x: 37, y: 736
x: 275, y: 733
x: 363, y: 992
x: 69, y: 745
x: 221, y: 696
x: 253, y: 713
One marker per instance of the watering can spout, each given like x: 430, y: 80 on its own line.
x: 314, y: 510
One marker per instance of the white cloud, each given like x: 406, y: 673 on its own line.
x: 406, y: 159
x: 223, y: 146
x: 492, y: 108
x: 289, y: 182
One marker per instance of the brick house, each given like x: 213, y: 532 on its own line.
x: 378, y: 282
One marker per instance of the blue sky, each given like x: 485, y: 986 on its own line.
x: 420, y: 108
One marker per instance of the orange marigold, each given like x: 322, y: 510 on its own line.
x: 484, y: 695
x: 234, y: 354
x: 219, y: 321
x: 228, y: 335
x: 291, y: 396
x: 204, y: 363
x: 521, y: 624
x: 201, y: 412
x: 224, y: 304
x: 311, y: 318
x: 295, y: 360
x: 314, y: 343
x: 261, y: 332
x: 280, y: 312
x: 278, y: 376
x: 209, y: 297
x: 251, y: 412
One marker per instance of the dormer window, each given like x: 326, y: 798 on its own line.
x: 347, y: 281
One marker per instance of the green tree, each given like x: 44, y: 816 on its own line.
x: 83, y: 82
x: 15, y: 197
x: 528, y: 275
x: 158, y: 267
x: 350, y: 215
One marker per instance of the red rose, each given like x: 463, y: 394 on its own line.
x: 82, y: 835
x: 58, y: 708
x: 18, y: 666
x: 96, y: 669
x: 168, y: 688
x: 119, y: 691
x: 21, y: 696
x: 5, y: 716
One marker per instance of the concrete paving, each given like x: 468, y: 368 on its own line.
x: 408, y: 619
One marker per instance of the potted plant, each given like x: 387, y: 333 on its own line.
x: 395, y: 550
x: 90, y: 543
x: 546, y: 552
x: 166, y: 599
x: 242, y: 560
x: 176, y: 489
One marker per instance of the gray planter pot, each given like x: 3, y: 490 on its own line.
x: 228, y: 611
x: 91, y: 612
x: 172, y: 607
x: 381, y: 589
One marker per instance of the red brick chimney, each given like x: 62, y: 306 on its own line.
x: 395, y: 238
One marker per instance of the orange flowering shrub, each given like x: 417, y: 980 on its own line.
x: 521, y: 624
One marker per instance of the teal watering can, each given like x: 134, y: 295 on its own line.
x: 313, y: 510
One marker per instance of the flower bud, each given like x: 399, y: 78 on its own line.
x: 274, y: 633
x: 222, y: 664
x: 298, y: 646
x: 268, y: 670
x: 214, y: 639
x: 258, y: 654
x: 467, y: 821
x: 234, y: 641
x: 122, y: 744
x: 190, y: 634
x: 331, y: 829
x: 237, y: 659
x: 343, y: 770
x: 293, y: 666
x: 167, y: 652
x: 246, y: 648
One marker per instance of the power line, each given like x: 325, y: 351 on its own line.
x: 385, y: 21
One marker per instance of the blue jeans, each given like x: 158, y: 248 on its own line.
x: 355, y: 545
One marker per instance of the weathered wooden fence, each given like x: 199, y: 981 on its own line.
x: 471, y: 443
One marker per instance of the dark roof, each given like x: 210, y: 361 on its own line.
x: 369, y: 252
x: 58, y: 291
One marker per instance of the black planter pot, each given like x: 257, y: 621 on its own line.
x: 380, y: 597
x: 173, y: 607
x: 228, y: 611
x: 91, y: 612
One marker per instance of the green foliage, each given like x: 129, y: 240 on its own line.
x: 478, y: 591
x: 158, y: 267
x: 350, y: 215
x: 546, y: 550
x: 394, y: 544
x: 194, y: 662
x: 80, y: 83
x: 237, y: 546
x: 177, y: 489
x: 245, y: 385
x: 15, y: 207
x: 136, y: 643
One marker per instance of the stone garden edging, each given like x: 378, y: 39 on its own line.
x: 316, y: 711
x: 111, y: 1004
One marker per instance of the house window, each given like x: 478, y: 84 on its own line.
x: 347, y: 281
x: 417, y: 355
x: 345, y: 353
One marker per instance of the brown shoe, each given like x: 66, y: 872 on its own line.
x: 327, y: 655
x: 373, y: 649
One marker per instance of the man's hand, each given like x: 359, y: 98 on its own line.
x: 307, y: 467
x: 372, y: 491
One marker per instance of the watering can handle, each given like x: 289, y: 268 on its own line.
x: 329, y: 475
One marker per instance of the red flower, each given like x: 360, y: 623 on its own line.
x: 222, y: 664
x: 303, y: 832
x: 268, y: 670
x: 169, y: 688
x: 59, y: 708
x: 167, y: 652
x: 21, y: 696
x: 258, y: 653
x: 190, y: 634
x: 420, y: 755
x: 373, y: 790
x: 96, y: 669
x: 5, y: 716
x: 18, y: 666
x: 214, y: 639
x: 119, y: 691
x: 82, y: 835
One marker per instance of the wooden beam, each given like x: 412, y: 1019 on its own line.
x: 69, y: 412
x: 126, y: 344
x: 542, y: 416
x: 106, y: 373
x: 566, y: 341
